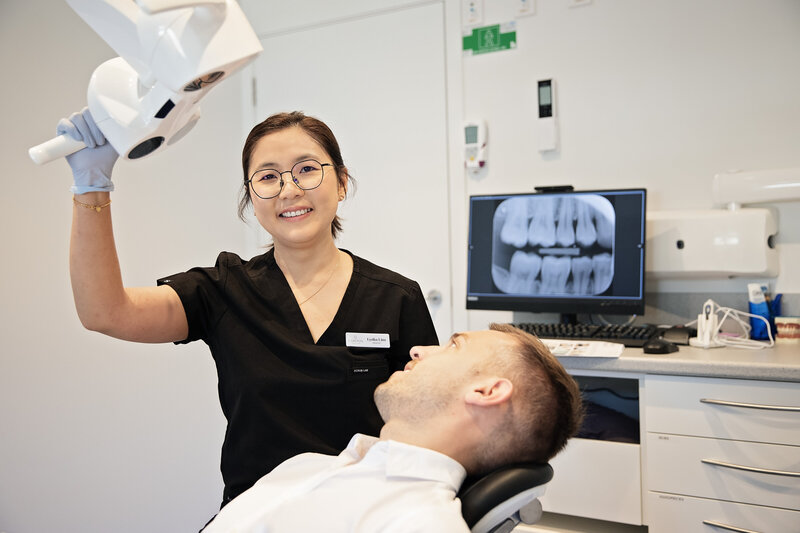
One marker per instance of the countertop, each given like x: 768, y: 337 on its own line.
x: 779, y: 363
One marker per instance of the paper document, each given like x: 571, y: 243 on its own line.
x: 583, y: 348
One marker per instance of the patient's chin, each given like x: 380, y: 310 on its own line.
x: 383, y: 399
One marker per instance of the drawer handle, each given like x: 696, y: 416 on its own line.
x: 729, y: 528
x: 752, y: 405
x: 750, y: 468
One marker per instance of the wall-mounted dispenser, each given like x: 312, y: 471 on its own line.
x: 729, y: 241
x: 713, y: 243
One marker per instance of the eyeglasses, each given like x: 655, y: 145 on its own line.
x: 307, y: 174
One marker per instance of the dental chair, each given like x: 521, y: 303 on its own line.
x: 498, y: 501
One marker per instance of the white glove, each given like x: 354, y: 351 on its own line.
x: 91, y: 166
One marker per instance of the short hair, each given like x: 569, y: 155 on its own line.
x: 547, y: 408
x: 316, y: 129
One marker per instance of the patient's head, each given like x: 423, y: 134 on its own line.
x: 486, y: 398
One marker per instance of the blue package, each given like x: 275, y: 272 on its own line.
x: 759, y: 306
x: 774, y: 310
x: 759, y: 327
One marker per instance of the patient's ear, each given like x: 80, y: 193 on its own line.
x: 490, y: 390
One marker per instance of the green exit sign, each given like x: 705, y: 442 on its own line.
x: 490, y: 39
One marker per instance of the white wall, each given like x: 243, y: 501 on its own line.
x: 658, y: 94
x: 100, y: 435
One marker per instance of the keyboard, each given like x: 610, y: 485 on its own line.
x: 630, y: 335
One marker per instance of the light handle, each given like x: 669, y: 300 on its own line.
x: 55, y: 148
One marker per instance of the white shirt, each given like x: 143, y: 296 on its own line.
x: 372, y: 486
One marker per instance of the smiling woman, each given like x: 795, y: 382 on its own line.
x: 297, y: 212
x: 284, y: 327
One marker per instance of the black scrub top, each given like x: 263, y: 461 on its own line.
x: 281, y: 393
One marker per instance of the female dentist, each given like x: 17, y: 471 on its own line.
x: 301, y: 335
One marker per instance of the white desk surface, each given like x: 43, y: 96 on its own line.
x: 779, y: 363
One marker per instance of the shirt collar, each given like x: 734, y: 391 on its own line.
x: 406, y: 460
x: 358, y: 447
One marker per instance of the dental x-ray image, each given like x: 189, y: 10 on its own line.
x: 553, y: 244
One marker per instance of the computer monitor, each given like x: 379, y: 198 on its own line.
x: 568, y: 252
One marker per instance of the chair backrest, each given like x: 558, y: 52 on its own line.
x: 492, y: 503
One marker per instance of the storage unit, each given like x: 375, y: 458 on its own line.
x: 600, y: 479
x: 722, y: 454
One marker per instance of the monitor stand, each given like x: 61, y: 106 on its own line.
x: 568, y: 318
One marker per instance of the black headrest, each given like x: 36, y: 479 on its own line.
x: 481, y: 494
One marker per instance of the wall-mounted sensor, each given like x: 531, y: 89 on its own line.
x: 546, y: 130
x: 475, y: 145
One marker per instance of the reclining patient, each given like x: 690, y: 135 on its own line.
x: 483, y: 400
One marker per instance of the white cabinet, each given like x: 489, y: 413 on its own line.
x: 722, y: 454
x: 683, y: 514
x: 683, y: 406
x: 600, y: 479
x: 596, y: 479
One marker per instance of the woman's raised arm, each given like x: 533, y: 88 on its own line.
x: 146, y: 314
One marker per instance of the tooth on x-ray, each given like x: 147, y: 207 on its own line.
x: 501, y: 278
x: 605, y: 231
x: 524, y: 268
x: 543, y: 225
x: 602, y: 214
x: 582, y: 275
x: 602, y: 268
x: 565, y: 232
x: 555, y: 272
x: 515, y: 226
x: 585, y: 232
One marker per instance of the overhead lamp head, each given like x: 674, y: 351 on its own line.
x: 171, y: 53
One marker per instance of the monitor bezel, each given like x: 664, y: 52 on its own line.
x: 570, y: 305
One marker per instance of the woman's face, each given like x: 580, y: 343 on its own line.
x: 295, y: 217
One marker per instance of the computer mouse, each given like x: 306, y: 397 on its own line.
x: 659, y: 346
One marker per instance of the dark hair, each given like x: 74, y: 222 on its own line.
x: 316, y: 129
x: 547, y: 409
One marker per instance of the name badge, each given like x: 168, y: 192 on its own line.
x: 366, y: 340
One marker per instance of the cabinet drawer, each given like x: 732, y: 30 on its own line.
x: 679, y: 465
x: 596, y: 479
x: 680, y: 405
x: 673, y: 514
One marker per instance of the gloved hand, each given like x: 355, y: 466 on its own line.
x: 91, y: 166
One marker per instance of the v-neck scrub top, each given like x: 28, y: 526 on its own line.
x: 281, y: 393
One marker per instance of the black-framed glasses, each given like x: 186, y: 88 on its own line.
x: 306, y: 174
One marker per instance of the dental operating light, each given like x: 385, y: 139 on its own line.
x: 171, y: 53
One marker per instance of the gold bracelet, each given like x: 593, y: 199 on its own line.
x: 89, y: 206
